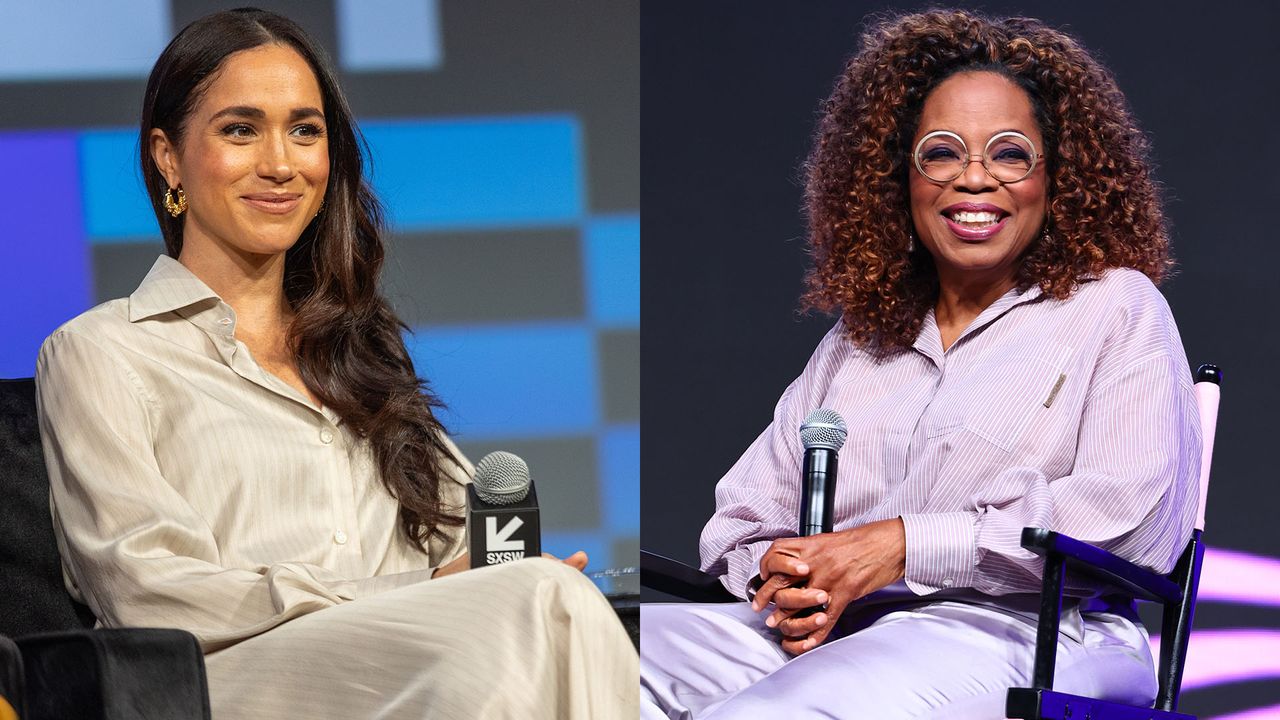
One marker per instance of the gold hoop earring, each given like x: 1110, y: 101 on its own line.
x: 175, y: 208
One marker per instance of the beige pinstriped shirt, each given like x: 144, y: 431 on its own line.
x: 192, y: 489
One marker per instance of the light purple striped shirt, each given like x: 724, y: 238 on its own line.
x: 1074, y: 415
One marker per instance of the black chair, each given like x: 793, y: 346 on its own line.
x: 56, y: 666
x: 1175, y: 592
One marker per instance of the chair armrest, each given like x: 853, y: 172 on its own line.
x: 1116, y: 572
x: 115, y: 674
x: 11, y: 680
x: 675, y: 578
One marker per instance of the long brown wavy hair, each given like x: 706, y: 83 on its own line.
x: 344, y: 336
x: 1104, y: 204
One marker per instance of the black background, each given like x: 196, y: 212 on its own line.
x: 730, y: 95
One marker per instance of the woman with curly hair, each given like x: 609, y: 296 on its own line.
x: 983, y: 218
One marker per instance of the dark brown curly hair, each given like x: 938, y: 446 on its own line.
x: 1104, y: 205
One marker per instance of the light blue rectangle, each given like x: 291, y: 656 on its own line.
x: 619, y: 450
x: 595, y: 544
x: 612, y: 261
x: 389, y: 34
x: 69, y: 39
x: 480, y: 173
x: 511, y: 381
x: 115, y: 200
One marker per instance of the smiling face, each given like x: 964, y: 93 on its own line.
x: 254, y: 158
x: 975, y: 227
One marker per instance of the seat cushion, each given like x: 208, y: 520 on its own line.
x: 34, y: 598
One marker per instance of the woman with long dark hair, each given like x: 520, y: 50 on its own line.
x: 243, y: 449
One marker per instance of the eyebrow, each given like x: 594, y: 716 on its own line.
x: 253, y: 113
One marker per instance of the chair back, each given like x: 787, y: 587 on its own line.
x: 34, y: 598
x: 1208, y: 392
x: 1175, y: 625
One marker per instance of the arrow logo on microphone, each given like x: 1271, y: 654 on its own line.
x: 496, y: 541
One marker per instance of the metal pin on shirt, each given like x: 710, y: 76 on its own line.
x: 1056, y: 387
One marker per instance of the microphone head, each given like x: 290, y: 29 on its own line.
x: 501, y: 478
x: 823, y: 428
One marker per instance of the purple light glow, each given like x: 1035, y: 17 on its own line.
x: 1266, y: 713
x: 1217, y: 657
x: 1236, y: 577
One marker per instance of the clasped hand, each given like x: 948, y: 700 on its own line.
x: 829, y: 570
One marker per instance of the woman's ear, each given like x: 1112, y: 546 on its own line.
x: 165, y: 155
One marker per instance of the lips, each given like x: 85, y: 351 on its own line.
x: 974, y: 221
x: 273, y: 203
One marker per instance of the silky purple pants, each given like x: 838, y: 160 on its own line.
x: 944, y: 659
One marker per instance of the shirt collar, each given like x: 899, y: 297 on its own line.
x: 168, y: 286
x: 929, y: 343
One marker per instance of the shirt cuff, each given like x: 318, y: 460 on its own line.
x: 942, y: 551
x: 743, y: 567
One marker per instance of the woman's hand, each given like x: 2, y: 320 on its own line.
x: 837, y: 567
x: 577, y: 561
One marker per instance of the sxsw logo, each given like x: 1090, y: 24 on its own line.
x: 499, y: 545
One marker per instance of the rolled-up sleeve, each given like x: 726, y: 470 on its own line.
x: 758, y: 499
x: 137, y: 552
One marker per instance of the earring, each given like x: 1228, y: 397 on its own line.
x: 178, y: 207
x: 911, y: 242
x: 1044, y: 236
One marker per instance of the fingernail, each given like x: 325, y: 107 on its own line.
x: 819, y: 619
x: 802, y: 569
x: 822, y: 597
x: 770, y: 621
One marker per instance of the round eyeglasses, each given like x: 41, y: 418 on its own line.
x: 1008, y: 156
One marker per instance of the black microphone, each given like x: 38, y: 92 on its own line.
x: 823, y: 434
x: 502, y: 512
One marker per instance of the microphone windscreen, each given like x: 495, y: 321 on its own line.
x: 823, y: 428
x: 501, y: 478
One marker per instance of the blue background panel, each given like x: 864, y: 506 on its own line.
x: 612, y: 247
x: 44, y: 272
x: 511, y: 381
x: 115, y: 199
x: 120, y: 38
x: 389, y: 34
x: 619, y: 450
x: 492, y: 172
x: 595, y: 544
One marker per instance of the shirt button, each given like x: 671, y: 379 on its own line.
x: 224, y: 321
x: 326, y: 436
x: 948, y: 582
x: 340, y: 537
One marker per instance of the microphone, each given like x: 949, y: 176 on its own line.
x: 502, y: 512
x: 823, y: 434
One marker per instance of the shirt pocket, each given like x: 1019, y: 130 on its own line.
x: 1004, y: 396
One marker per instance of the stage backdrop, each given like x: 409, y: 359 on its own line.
x: 505, y: 145
x: 731, y: 96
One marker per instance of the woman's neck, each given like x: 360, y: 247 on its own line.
x: 962, y: 299
x: 253, y: 285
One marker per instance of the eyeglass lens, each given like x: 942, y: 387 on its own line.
x: 1009, y: 158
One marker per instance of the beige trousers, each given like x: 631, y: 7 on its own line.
x: 525, y: 640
